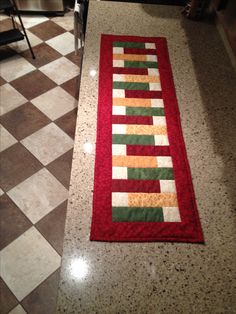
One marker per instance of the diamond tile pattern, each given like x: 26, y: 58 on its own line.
x: 48, y: 143
x: 24, y: 121
x: 40, y: 83
x: 45, y: 54
x: 13, y: 168
x: 14, y: 67
x: 55, y: 103
x: 13, y: 222
x: 62, y: 43
x: 37, y: 117
x: 23, y: 262
x: 12, y: 98
x: 67, y: 70
x: 38, y: 195
x: 6, y: 139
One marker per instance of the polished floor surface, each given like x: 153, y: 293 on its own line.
x: 154, y: 278
x: 38, y: 114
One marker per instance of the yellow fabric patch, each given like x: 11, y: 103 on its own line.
x: 152, y: 200
x: 131, y: 102
x: 146, y: 129
x: 134, y: 161
x: 129, y: 57
x: 142, y: 78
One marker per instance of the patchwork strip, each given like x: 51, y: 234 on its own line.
x: 142, y: 196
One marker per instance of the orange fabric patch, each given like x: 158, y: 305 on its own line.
x: 142, y: 78
x: 131, y: 102
x: 146, y: 129
x: 134, y: 161
x: 130, y: 57
x: 152, y: 200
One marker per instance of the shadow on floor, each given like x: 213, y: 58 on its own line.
x: 217, y: 84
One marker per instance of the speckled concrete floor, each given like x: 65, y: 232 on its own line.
x: 159, y: 277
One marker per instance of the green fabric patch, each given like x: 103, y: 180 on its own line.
x: 128, y: 44
x: 150, y: 174
x: 139, y: 214
x: 140, y: 64
x: 140, y: 111
x: 133, y: 139
x: 131, y: 85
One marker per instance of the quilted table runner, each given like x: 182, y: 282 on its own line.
x: 142, y: 186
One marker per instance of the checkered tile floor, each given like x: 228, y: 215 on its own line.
x: 38, y: 114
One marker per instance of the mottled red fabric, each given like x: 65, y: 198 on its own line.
x: 103, y: 229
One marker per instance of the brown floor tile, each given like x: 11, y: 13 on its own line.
x: 33, y: 84
x: 13, y: 222
x: 7, y: 299
x: 68, y: 122
x: 16, y: 164
x: 76, y: 59
x: 47, y: 30
x: 2, y: 81
x: 6, y: 25
x: 44, y: 54
x: 24, y: 120
x: 43, y: 299
x: 52, y: 227
x: 72, y: 87
x: 61, y: 168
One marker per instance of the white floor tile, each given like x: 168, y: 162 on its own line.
x: 38, y: 195
x: 60, y: 70
x: 27, y: 262
x: 6, y: 139
x: 55, y: 103
x: 18, y: 310
x: 32, y: 20
x: 67, y: 22
x: 14, y: 67
x: 63, y: 43
x: 1, y: 192
x: 12, y: 98
x: 48, y: 143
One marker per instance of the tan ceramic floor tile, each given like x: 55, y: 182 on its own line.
x: 1, y: 192
x: 63, y: 43
x: 38, y: 195
x: 32, y: 20
x: 6, y: 139
x: 67, y: 70
x: 55, y: 103
x: 22, y: 45
x: 15, y: 67
x: 18, y: 310
x: 27, y: 262
x: 48, y: 143
x: 67, y: 22
x: 12, y: 98
x: 3, y: 17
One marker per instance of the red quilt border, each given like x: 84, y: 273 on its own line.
x: 102, y: 228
